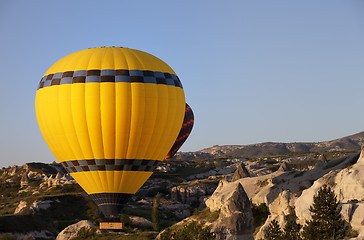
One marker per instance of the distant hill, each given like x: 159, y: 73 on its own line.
x: 349, y: 143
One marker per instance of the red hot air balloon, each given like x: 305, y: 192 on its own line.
x: 184, y: 132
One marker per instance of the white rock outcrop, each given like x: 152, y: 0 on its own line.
x: 58, y: 180
x: 221, y: 194
x: 283, y: 204
x: 288, y: 192
x: 24, y: 182
x: 357, y: 218
x: 22, y: 205
x: 14, y: 169
x: 72, y: 230
x: 348, y: 185
x: 235, y: 220
x: 304, y: 202
x: 189, y: 193
x: 140, y: 221
x: 38, y: 205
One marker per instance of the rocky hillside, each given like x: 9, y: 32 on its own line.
x: 349, y: 143
x: 283, y: 195
x: 46, y: 200
x: 233, y: 196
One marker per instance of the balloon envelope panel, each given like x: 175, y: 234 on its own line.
x: 110, y: 115
x: 184, y: 132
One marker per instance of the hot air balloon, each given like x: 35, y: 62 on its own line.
x: 184, y: 132
x: 110, y: 115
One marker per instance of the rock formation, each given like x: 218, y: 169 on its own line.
x: 59, y: 179
x: 13, y: 170
x: 140, y: 221
x: 72, y: 230
x: 24, y: 182
x: 179, y: 209
x: 284, y: 167
x: 322, y: 158
x: 215, y: 202
x: 22, y: 205
x: 240, y: 172
x: 348, y: 185
x: 281, y: 189
x: 5, y: 173
x: 189, y: 193
x: 321, y: 162
x: 236, y: 218
x: 37, y: 205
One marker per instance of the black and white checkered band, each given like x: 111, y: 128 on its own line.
x: 109, y: 75
x: 110, y: 198
x: 110, y: 165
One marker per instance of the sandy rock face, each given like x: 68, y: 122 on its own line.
x: 283, y: 204
x: 241, y: 172
x: 236, y: 218
x: 357, y: 218
x: 24, y: 182
x: 72, y: 230
x: 349, y: 183
x: 139, y: 221
x: 22, y: 205
x: 37, y: 205
x: 284, y: 167
x: 304, y: 202
x: 221, y: 194
x: 58, y: 180
x: 189, y: 194
x: 14, y: 169
x: 347, y: 211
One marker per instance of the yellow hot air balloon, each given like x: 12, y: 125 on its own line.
x: 109, y: 115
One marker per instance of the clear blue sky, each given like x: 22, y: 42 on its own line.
x: 253, y: 71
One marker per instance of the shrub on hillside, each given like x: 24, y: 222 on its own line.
x: 192, y: 230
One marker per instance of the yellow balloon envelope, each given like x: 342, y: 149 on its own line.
x: 109, y: 115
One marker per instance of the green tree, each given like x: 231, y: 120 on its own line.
x: 292, y: 230
x: 326, y: 220
x: 260, y: 213
x: 155, y: 213
x: 273, y: 231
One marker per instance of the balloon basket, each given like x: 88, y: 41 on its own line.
x: 111, y: 225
